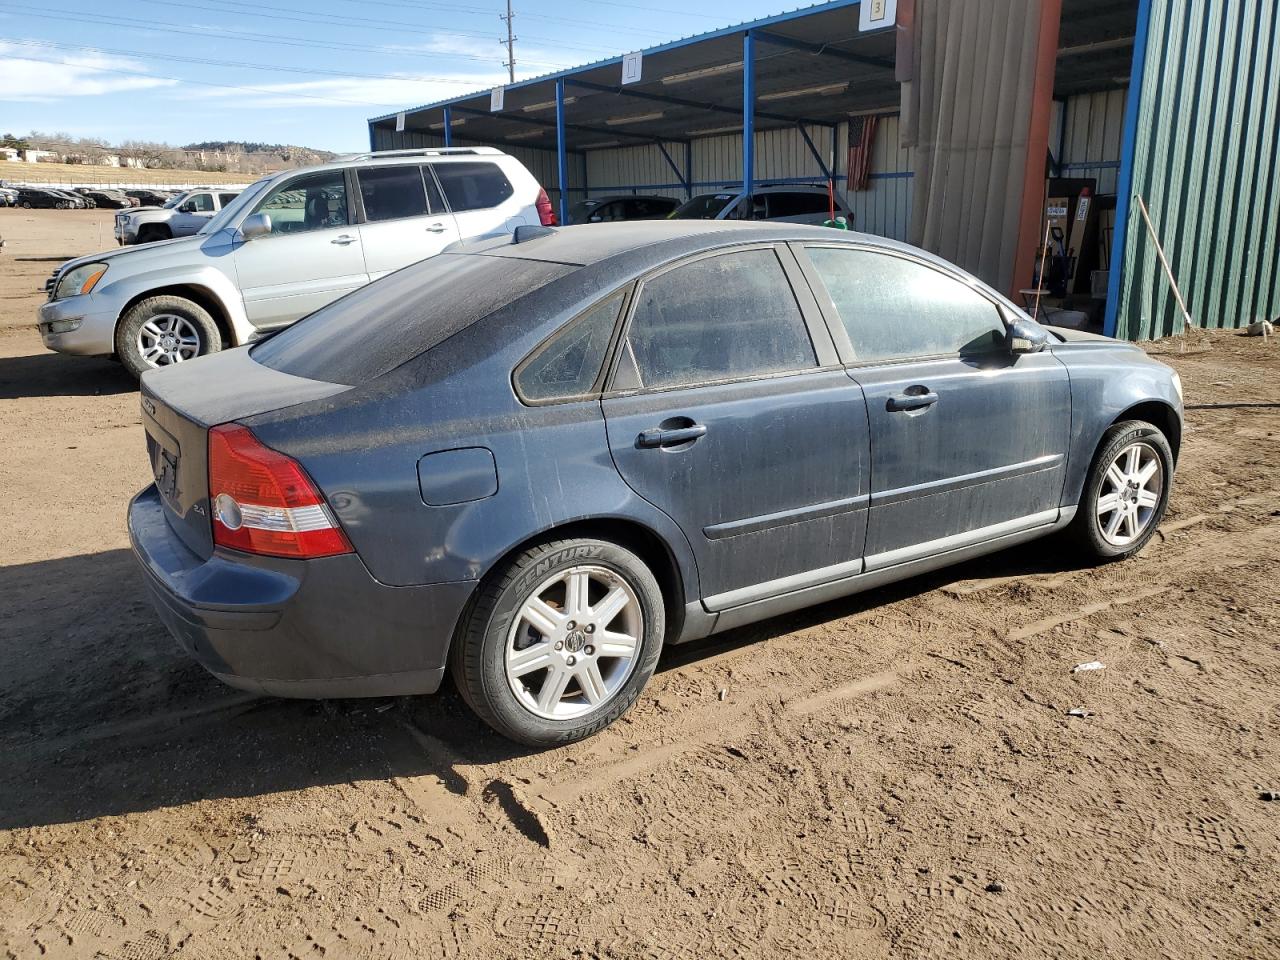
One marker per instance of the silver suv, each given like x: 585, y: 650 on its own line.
x: 288, y: 245
x: 182, y: 216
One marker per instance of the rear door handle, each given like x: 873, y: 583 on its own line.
x: 657, y: 437
x: 912, y: 400
x: 343, y: 240
x: 436, y: 228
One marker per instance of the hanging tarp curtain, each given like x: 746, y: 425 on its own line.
x: 967, y: 111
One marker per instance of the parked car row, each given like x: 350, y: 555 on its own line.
x: 787, y: 203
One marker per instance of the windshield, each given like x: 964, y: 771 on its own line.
x: 704, y: 207
x: 232, y: 209
x: 173, y: 201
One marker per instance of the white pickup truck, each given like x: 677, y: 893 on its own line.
x: 184, y: 215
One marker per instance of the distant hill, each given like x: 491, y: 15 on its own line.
x: 269, y: 155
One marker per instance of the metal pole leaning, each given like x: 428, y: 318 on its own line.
x: 1164, y: 262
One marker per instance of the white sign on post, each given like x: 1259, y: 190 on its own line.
x: 877, y: 14
x: 631, y: 67
x: 399, y: 123
x: 495, y: 99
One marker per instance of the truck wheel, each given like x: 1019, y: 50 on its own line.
x: 162, y: 331
x: 558, y: 644
x: 151, y: 232
x: 1125, y: 493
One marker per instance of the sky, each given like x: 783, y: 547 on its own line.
x: 303, y: 72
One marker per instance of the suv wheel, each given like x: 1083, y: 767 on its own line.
x: 151, y: 232
x: 1125, y: 493
x: 559, y: 643
x: 161, y: 331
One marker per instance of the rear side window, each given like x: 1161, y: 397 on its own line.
x: 380, y: 326
x: 470, y: 185
x: 796, y: 204
x: 392, y: 193
x: 568, y: 364
x: 725, y: 317
x: 898, y: 309
x: 225, y: 198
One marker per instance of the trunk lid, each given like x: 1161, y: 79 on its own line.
x: 180, y: 404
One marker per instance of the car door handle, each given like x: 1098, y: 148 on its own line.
x: 915, y: 398
x: 343, y: 240
x: 436, y: 228
x: 658, y: 437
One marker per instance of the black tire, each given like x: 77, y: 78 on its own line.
x: 127, y: 330
x: 1086, y: 529
x: 26, y: 204
x: 478, y: 657
x: 152, y: 232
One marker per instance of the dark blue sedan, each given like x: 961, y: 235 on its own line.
x: 534, y: 462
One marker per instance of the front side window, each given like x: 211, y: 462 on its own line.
x: 315, y: 201
x: 897, y: 309
x: 568, y: 364
x: 200, y: 203
x: 470, y: 185
x: 724, y: 317
x: 392, y: 193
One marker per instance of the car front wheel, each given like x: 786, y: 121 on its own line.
x: 559, y: 643
x: 161, y: 331
x: 1126, y: 491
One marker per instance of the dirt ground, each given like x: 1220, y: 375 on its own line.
x: 892, y: 775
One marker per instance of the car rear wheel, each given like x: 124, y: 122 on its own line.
x: 560, y: 642
x: 1125, y: 493
x: 161, y: 331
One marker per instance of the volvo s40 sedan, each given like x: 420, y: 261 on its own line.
x: 533, y: 463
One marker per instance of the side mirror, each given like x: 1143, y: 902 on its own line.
x: 187, y: 207
x: 256, y: 225
x: 1026, y: 336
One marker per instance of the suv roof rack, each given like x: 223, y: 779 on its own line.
x: 423, y: 152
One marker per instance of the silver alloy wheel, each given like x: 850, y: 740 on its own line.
x: 168, y: 338
x: 1130, y: 493
x: 574, y: 642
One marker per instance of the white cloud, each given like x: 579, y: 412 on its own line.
x: 73, y: 75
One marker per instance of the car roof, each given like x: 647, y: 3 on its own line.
x: 394, y: 157
x: 589, y: 244
x: 609, y: 197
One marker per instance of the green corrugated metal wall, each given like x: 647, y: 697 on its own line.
x: 1205, y: 161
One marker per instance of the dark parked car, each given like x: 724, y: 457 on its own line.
x: 622, y: 207
x: 536, y: 462
x: 151, y: 198
x: 33, y: 198
x: 104, y: 198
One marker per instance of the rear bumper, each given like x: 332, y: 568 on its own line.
x: 295, y: 628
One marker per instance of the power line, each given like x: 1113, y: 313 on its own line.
x: 209, y: 83
x: 309, y: 71
x: 274, y: 40
x: 572, y: 21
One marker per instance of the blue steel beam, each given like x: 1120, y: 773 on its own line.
x: 1124, y: 180
x: 680, y: 101
x: 448, y: 126
x: 684, y: 181
x: 748, y: 112
x: 823, y: 49
x: 562, y: 161
x: 826, y: 173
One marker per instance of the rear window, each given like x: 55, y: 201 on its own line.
x: 705, y: 207
x: 387, y: 323
x: 469, y: 185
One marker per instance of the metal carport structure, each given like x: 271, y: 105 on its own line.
x: 807, y: 70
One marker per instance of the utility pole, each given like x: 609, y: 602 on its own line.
x: 511, y: 44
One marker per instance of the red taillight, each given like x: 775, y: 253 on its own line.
x: 263, y: 502
x: 546, y: 216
